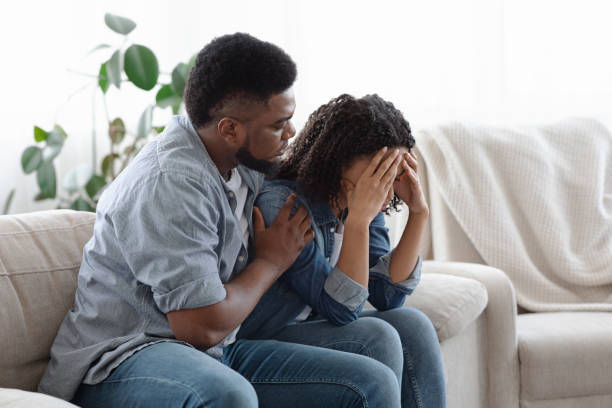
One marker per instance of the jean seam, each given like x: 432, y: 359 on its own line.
x: 162, y: 380
x: 363, y: 346
x: 335, y: 381
x: 413, y: 382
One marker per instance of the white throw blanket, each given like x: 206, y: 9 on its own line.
x: 536, y: 203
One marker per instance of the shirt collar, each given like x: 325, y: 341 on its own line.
x: 253, y: 179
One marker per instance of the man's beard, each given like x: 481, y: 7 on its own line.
x: 269, y: 169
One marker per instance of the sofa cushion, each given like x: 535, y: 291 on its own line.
x: 40, y: 255
x: 564, y: 355
x: 10, y: 397
x: 451, y: 302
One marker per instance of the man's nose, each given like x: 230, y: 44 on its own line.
x: 289, y: 132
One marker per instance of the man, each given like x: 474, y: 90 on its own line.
x: 166, y: 280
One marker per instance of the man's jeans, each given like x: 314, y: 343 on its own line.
x: 355, y: 365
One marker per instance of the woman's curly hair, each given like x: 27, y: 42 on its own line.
x: 337, y: 133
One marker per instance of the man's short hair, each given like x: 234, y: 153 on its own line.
x: 235, y: 65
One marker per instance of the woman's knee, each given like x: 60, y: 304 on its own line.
x: 235, y: 393
x: 377, y: 384
x: 414, y: 324
x: 379, y: 335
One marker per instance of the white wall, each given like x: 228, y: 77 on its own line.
x: 493, y: 61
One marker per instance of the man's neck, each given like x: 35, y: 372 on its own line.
x: 224, y: 160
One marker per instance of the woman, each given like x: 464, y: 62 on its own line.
x: 351, y: 163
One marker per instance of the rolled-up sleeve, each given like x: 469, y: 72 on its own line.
x: 169, y: 236
x: 345, y: 290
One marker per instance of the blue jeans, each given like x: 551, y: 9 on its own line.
x: 422, y: 378
x: 349, y: 369
x: 423, y: 384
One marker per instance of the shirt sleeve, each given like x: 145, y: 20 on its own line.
x: 167, y: 230
x: 327, y: 290
x: 384, y: 294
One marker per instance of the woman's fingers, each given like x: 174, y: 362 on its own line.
x: 389, y: 177
x: 371, y: 169
x: 387, y: 165
x: 411, y: 160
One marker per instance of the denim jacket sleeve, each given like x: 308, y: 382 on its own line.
x: 384, y: 294
x: 329, y: 292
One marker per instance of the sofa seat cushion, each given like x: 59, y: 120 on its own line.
x: 451, y: 302
x: 565, y: 355
x: 10, y: 397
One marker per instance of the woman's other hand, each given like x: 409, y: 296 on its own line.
x: 408, y: 187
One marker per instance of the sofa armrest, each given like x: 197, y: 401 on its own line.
x: 502, y: 339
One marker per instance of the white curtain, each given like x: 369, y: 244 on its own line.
x: 486, y: 61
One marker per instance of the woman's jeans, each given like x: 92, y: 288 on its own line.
x: 355, y: 365
x: 423, y: 384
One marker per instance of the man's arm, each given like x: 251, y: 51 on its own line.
x: 276, y: 248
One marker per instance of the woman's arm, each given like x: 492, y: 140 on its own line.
x: 384, y: 293
x: 406, y: 253
x: 397, y: 273
x: 327, y: 290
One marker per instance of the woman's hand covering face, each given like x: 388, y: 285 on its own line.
x: 373, y: 189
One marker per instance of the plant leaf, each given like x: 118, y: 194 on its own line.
x: 46, y: 178
x: 116, y: 131
x: 145, y: 123
x: 39, y: 134
x: 141, y: 67
x: 7, y: 203
x: 98, y: 47
x: 77, y: 177
x: 113, y: 69
x: 192, y: 61
x: 31, y: 159
x: 80, y: 204
x: 179, y: 78
x: 103, y: 79
x: 94, y: 185
x: 107, y: 163
x: 166, y: 97
x: 118, y: 24
x: 50, y: 152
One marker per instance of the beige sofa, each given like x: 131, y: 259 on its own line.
x: 534, y: 360
x: 40, y: 255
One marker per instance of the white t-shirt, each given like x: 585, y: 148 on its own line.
x: 239, y: 189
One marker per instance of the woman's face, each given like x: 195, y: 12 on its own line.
x: 352, y: 173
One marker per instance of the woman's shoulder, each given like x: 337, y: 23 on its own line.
x: 276, y: 192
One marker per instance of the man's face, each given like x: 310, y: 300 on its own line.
x: 268, y: 133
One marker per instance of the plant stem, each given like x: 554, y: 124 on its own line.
x: 94, y: 158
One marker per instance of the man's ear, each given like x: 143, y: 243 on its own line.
x: 231, y: 131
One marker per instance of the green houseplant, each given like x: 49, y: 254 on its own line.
x: 130, y: 63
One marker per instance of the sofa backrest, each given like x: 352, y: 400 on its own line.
x: 40, y: 256
x: 444, y: 239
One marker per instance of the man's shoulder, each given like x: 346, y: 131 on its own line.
x: 180, y: 150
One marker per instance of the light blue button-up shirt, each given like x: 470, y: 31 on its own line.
x: 165, y: 238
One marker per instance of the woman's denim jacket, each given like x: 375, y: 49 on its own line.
x: 312, y: 281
